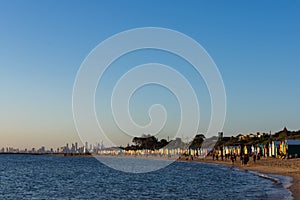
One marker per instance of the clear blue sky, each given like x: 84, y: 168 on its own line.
x: 255, y: 44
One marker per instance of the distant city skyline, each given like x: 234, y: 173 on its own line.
x: 42, y: 45
x: 74, y: 147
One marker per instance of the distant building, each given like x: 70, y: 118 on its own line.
x: 86, y: 147
x: 220, y: 135
x: 240, y: 136
x: 76, y: 146
x: 41, y: 150
x: 292, y: 148
x: 258, y: 135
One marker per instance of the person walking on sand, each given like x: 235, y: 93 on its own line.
x: 242, y: 160
x: 254, y: 158
x: 232, y: 159
x: 213, y: 156
x: 246, y: 159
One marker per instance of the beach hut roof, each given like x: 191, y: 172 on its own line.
x: 293, y: 142
x: 276, y: 142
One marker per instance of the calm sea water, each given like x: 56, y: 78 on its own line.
x: 49, y: 177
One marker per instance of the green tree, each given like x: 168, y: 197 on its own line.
x: 197, y: 141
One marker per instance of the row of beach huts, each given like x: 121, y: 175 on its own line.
x: 276, y: 149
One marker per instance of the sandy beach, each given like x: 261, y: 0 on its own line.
x: 268, y: 166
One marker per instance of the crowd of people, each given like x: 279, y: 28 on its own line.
x: 244, y: 158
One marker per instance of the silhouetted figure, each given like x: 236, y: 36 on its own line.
x: 246, y: 159
x: 242, y: 159
x: 254, y: 158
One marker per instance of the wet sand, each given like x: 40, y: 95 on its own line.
x: 267, y: 166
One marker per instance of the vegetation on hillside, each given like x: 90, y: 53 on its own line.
x: 152, y: 143
x: 261, y: 139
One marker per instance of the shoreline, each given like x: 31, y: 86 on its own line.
x: 289, y: 168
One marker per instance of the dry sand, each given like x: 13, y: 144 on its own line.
x: 285, y: 167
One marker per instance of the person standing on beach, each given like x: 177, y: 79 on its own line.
x: 242, y: 160
x: 232, y: 159
x: 246, y: 159
x: 213, y: 156
x: 254, y: 158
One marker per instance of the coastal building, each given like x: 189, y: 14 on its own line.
x: 274, y: 148
x: 247, y: 149
x: 250, y: 136
x: 291, y: 148
x: 240, y: 137
x: 220, y: 135
x: 231, y: 150
x: 261, y: 150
